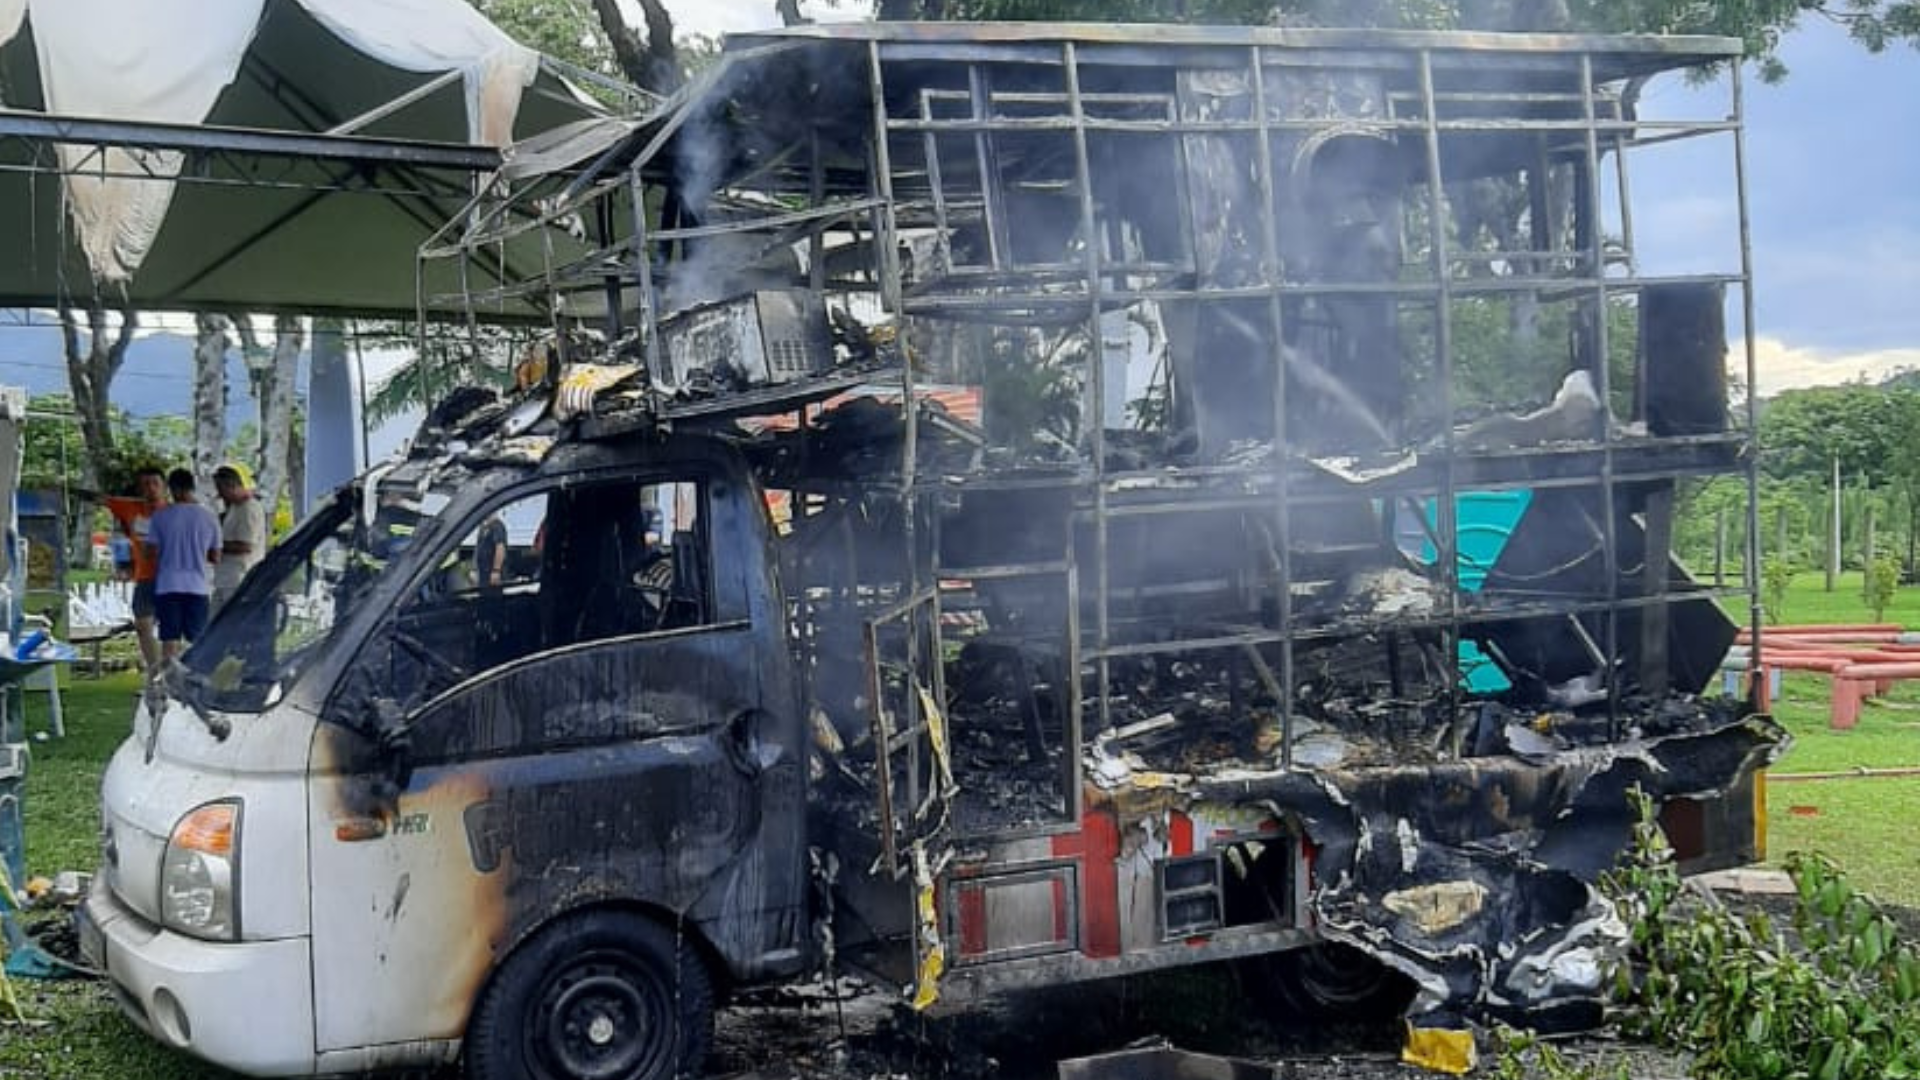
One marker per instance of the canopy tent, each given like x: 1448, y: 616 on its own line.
x: 259, y: 155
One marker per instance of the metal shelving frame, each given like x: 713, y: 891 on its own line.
x: 857, y: 140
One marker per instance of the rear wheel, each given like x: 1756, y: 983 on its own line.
x: 1335, y: 981
x: 600, y: 996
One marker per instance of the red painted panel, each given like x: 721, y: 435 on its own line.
x: 1179, y: 834
x: 972, y: 901
x: 1098, y: 845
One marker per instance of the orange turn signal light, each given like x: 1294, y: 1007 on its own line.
x: 207, y: 829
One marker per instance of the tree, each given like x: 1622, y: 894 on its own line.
x: 650, y: 61
x: 1776, y: 578
x: 1803, y: 431
x: 1761, y: 24
x: 55, y: 456
x: 52, y: 447
x: 445, y: 356
x: 1881, y: 579
x: 1906, y: 465
x: 272, y: 372
x: 213, y: 337
x: 595, y: 35
x: 91, y: 367
x: 1872, y: 432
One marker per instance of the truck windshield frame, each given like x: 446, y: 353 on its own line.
x: 287, y: 609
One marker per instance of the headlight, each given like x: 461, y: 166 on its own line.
x: 198, y: 874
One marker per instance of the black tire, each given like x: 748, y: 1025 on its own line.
x: 1335, y: 981
x: 603, y: 995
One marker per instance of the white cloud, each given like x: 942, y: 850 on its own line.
x: 1781, y: 366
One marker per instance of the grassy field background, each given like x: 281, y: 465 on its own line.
x: 1864, y: 823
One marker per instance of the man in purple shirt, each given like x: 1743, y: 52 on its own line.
x: 186, y: 539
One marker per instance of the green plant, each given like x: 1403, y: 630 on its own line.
x: 1033, y: 387
x: 1882, y: 578
x: 1525, y: 1056
x: 1837, y: 999
x: 1776, y: 575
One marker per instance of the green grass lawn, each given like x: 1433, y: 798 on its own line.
x: 1862, y: 823
x: 76, y: 1032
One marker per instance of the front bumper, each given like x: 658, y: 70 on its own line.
x: 246, y: 1005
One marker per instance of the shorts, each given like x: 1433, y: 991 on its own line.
x: 143, y: 599
x: 183, y: 616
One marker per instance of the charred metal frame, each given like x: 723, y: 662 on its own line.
x: 927, y: 159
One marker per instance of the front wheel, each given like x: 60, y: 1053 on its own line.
x: 599, y: 996
x: 1335, y: 981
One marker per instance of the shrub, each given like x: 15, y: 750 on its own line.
x: 1883, y: 577
x: 1775, y: 576
x: 1836, y: 996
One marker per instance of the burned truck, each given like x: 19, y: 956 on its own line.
x: 994, y: 506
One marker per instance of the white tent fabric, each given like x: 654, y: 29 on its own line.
x: 440, y: 35
x: 170, y: 60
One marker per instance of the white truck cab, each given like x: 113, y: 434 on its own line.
x: 382, y: 793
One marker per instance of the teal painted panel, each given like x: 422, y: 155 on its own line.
x: 1483, y: 522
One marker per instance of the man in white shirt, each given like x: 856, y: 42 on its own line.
x: 243, y: 529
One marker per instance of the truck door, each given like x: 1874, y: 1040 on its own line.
x: 580, y: 700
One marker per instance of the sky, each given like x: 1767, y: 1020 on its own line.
x: 1833, y: 177
x: 1833, y: 173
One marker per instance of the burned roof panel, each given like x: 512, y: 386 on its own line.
x: 824, y: 72
x: 1615, y: 55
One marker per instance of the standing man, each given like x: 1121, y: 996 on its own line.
x: 243, y: 529
x: 186, y: 539
x: 134, y: 516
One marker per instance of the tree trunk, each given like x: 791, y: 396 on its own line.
x: 1780, y: 542
x: 213, y: 339
x: 297, y: 495
x: 276, y: 411
x: 90, y: 372
x: 789, y: 11
x: 259, y: 364
x: 1913, y: 528
x: 1833, y: 536
x: 1719, y: 547
x: 652, y: 63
